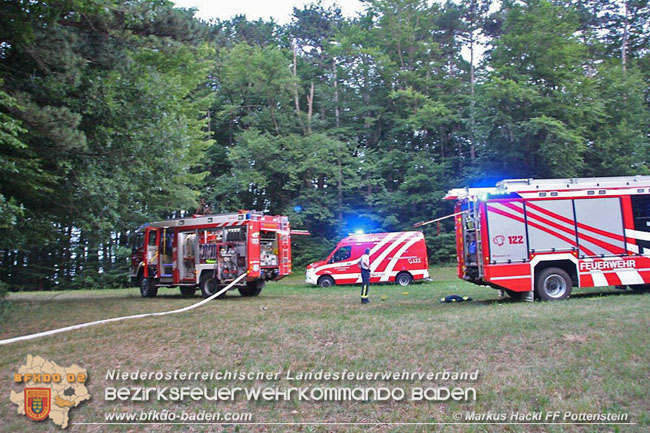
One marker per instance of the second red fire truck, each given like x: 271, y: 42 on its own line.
x: 545, y: 237
x: 210, y: 251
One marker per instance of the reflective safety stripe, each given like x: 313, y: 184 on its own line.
x: 398, y: 256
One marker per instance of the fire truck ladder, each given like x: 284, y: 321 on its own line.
x: 516, y: 185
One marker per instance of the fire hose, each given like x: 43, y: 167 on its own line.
x: 117, y: 319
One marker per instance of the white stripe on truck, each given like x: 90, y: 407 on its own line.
x: 393, y: 261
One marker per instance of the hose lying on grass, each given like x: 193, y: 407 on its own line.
x: 117, y: 319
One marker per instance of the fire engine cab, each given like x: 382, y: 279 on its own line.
x: 546, y: 236
x: 210, y: 251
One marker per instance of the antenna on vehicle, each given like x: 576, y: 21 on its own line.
x: 423, y: 223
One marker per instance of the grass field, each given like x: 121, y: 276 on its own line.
x: 587, y: 354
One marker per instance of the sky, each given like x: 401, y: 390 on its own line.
x: 280, y: 10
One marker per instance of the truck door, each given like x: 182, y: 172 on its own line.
x: 151, y: 256
x: 341, y: 258
x: 641, y: 215
x: 468, y: 241
x: 166, y: 252
x: 284, y: 253
x: 253, y: 250
x: 137, y: 253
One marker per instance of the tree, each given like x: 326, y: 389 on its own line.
x: 619, y: 143
x: 535, y: 103
x: 109, y: 107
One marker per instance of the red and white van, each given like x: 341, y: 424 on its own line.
x: 399, y: 257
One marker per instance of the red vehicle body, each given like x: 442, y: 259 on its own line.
x: 544, y: 237
x: 210, y: 251
x: 399, y: 257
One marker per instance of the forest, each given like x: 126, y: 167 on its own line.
x: 117, y: 113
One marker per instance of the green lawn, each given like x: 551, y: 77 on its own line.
x: 587, y: 354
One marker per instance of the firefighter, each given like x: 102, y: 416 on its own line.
x: 364, y: 264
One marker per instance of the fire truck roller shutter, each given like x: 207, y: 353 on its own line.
x: 551, y: 225
x: 600, y: 226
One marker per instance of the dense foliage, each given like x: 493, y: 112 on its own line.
x: 116, y: 113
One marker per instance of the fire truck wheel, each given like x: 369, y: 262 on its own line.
x: 253, y: 288
x: 403, y: 279
x: 148, y: 288
x: 209, y: 285
x: 553, y: 284
x: 326, y: 281
x: 188, y: 290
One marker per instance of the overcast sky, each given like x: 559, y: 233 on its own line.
x: 280, y: 10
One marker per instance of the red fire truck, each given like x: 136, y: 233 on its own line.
x: 546, y: 236
x: 210, y: 251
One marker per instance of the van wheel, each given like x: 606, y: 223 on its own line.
x: 553, y: 284
x: 188, y: 290
x: 253, y: 288
x: 326, y: 281
x: 403, y: 279
x: 148, y: 287
x: 209, y: 285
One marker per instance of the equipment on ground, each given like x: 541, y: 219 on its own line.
x: 454, y: 299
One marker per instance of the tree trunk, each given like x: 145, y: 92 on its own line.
x: 336, y: 94
x: 625, y: 36
x: 296, y: 99
x: 310, y: 107
x: 472, y: 102
x: 339, y: 186
x: 67, y: 255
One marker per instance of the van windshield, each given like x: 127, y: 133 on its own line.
x: 341, y: 254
